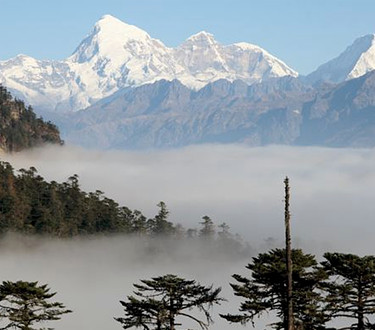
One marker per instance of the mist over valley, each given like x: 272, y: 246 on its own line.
x: 133, y: 160
x: 331, y: 205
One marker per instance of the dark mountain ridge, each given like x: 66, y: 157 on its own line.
x: 168, y: 114
x: 284, y: 110
x: 341, y: 116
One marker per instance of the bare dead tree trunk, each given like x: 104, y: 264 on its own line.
x: 289, y: 266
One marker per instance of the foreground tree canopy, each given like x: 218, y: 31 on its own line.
x: 23, y: 304
x: 351, y: 290
x: 157, y: 303
x: 266, y: 290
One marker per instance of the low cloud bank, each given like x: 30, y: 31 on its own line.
x: 332, y: 204
x: 331, y: 201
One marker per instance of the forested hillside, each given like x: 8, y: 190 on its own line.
x: 19, y: 126
x: 31, y: 205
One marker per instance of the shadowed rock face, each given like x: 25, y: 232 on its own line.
x: 168, y: 114
x: 341, y: 116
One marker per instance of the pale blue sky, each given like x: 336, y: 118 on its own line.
x: 302, y: 33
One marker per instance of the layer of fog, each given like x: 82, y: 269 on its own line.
x: 332, y: 189
x: 92, y: 275
x: 332, y: 209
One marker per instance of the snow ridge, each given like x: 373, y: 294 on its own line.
x: 115, y: 55
x: 355, y: 61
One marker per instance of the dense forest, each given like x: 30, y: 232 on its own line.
x: 31, y: 205
x: 20, y: 128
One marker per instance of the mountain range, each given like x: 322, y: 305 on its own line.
x: 123, y: 89
x: 280, y: 111
x: 116, y: 55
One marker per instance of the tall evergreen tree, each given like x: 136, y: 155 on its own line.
x: 351, y: 288
x: 266, y: 290
x: 23, y: 304
x: 158, y: 303
x: 208, y: 228
x: 289, y: 262
x: 160, y: 225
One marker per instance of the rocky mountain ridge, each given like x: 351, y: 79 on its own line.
x: 280, y: 111
x: 135, y: 92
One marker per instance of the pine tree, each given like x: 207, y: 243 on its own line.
x: 159, y: 225
x: 351, y: 293
x: 266, y: 290
x: 160, y: 301
x: 25, y: 303
x: 208, y: 228
x: 289, y: 263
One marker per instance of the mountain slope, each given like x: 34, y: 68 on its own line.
x: 116, y: 55
x: 280, y: 111
x: 343, y: 116
x: 20, y: 128
x: 168, y: 114
x: 355, y: 61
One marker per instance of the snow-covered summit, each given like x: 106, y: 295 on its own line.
x: 355, y: 61
x: 202, y: 36
x: 108, y: 38
x: 248, y: 46
x: 115, y: 55
x: 111, y: 24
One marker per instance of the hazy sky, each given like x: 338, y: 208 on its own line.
x: 304, y: 34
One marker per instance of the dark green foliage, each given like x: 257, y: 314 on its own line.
x: 230, y: 244
x: 351, y: 289
x: 30, y: 205
x: 19, y: 126
x: 160, y: 226
x: 159, y: 301
x: 208, y: 228
x: 25, y: 303
x: 266, y: 290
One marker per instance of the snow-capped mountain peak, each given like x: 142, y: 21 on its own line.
x: 248, y: 46
x: 110, y: 27
x: 115, y: 55
x: 108, y: 38
x: 366, y: 60
x: 355, y: 61
x: 202, y: 36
